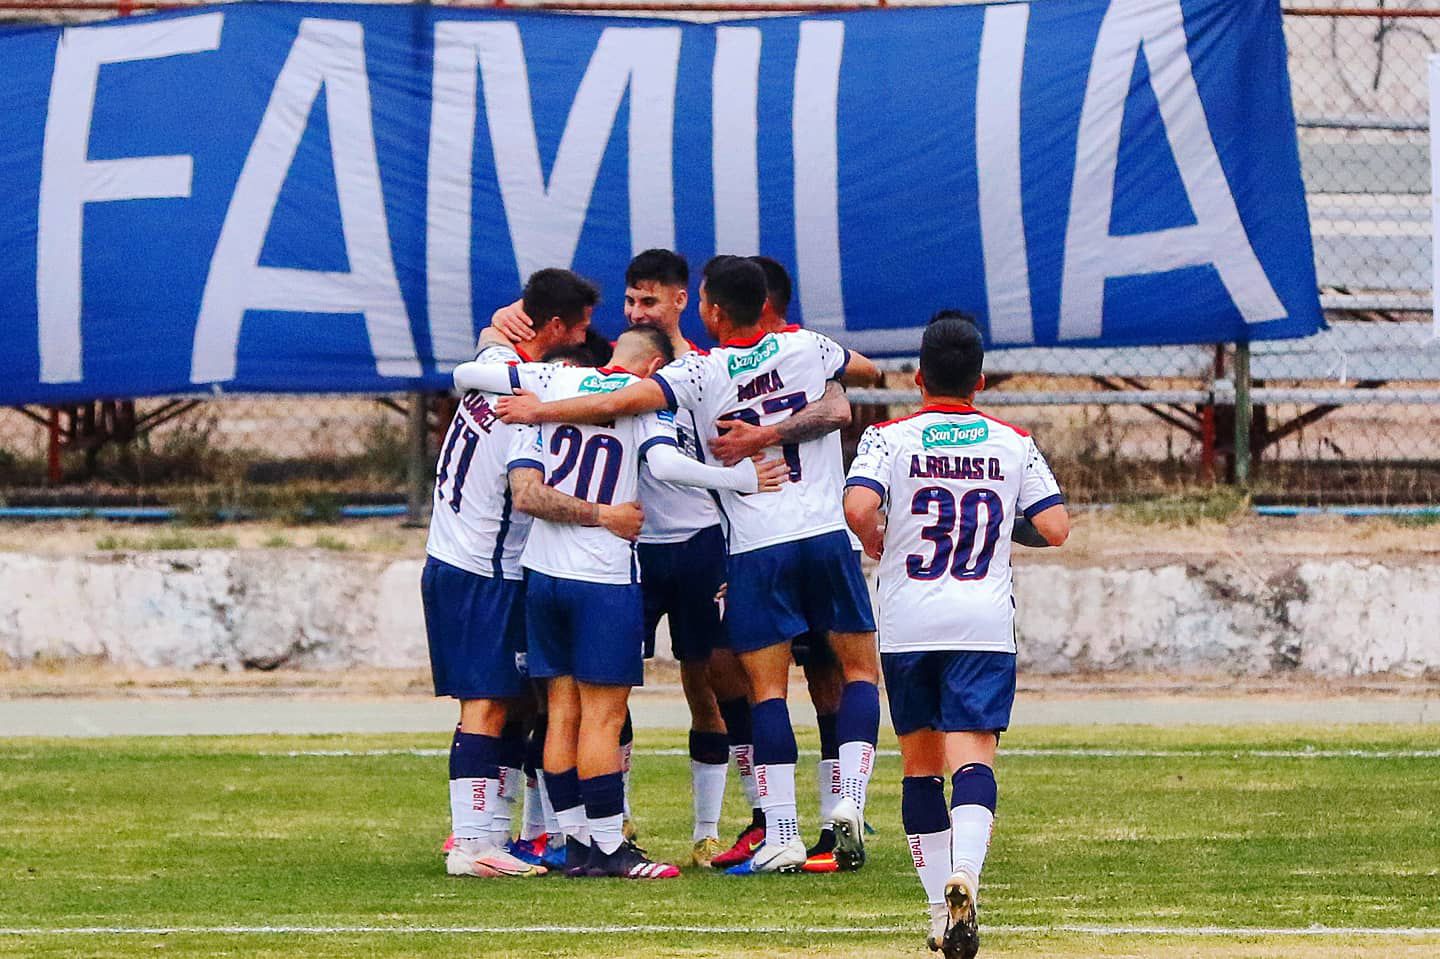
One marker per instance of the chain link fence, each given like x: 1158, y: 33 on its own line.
x: 1347, y: 416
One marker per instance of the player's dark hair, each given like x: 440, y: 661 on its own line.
x: 655, y: 338
x: 595, y: 351
x: 573, y: 354
x: 737, y: 286
x: 551, y: 292
x: 951, y: 354
x: 778, y: 287
x: 665, y: 267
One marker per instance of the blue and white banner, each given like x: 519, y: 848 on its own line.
x: 297, y: 197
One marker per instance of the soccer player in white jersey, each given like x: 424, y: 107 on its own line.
x: 584, y: 607
x: 472, y: 583
x: 823, y: 676
x: 952, y: 482
x: 791, y: 570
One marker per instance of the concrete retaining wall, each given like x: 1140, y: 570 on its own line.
x: 276, y: 608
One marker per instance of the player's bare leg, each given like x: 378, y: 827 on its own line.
x: 768, y: 670
x: 972, y: 820
x: 602, y: 714
x: 857, y: 728
x: 475, y: 755
x: 709, y: 760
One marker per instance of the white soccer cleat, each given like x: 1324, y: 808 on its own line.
x: 962, y: 939
x: 773, y: 857
x: 486, y: 861
x: 849, y: 834
x: 939, y: 925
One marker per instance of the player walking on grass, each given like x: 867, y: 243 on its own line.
x: 584, y: 607
x: 791, y: 570
x: 472, y: 584
x: 952, y: 482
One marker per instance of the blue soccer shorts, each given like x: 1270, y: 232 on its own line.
x: 680, y: 580
x: 949, y: 690
x: 594, y: 632
x: 476, y: 630
x: 782, y: 592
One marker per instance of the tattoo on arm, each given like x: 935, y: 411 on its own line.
x: 828, y: 414
x: 531, y: 495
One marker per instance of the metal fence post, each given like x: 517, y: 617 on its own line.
x: 1241, y: 377
x: 417, y: 500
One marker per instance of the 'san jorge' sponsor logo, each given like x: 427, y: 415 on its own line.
x: 955, y: 434
x: 603, y: 384
x: 741, y: 363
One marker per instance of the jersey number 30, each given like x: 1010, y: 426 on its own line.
x: 969, y: 562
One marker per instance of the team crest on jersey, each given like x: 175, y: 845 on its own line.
x: 955, y: 434
x: 603, y: 384
x: 742, y: 363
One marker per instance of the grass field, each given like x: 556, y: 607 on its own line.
x: 1161, y: 843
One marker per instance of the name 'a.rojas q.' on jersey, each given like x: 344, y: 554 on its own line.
x: 952, y: 481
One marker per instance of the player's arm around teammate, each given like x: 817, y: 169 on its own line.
x: 953, y: 481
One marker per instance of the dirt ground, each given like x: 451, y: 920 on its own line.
x: 1099, y: 535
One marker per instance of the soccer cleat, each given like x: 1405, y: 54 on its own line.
x: 552, y: 855
x: 772, y: 857
x: 577, y: 857
x: 750, y: 839
x: 821, y: 856
x: 528, y: 850
x: 705, y: 851
x: 487, y: 862
x: 629, y: 861
x: 447, y: 845
x: 849, y: 834
x: 939, y: 925
x: 962, y: 939
x: 627, y: 829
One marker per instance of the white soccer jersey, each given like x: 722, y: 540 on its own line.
x: 674, y: 512
x: 952, y: 481
x: 472, y: 523
x: 763, y: 380
x: 599, y: 464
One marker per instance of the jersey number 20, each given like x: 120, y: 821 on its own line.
x: 969, y: 562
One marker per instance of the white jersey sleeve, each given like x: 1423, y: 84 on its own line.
x: 872, y: 464
x: 525, y: 449
x: 1038, y: 489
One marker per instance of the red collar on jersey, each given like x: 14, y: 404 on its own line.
x: 520, y: 352
x: 607, y: 370
x: 745, y: 341
x: 949, y: 408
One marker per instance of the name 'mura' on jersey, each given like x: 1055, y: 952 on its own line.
x: 951, y: 481
x: 472, y: 523
x: 599, y: 464
x: 762, y: 381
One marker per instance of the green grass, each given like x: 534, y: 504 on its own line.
x: 166, y: 540
x: 208, y: 831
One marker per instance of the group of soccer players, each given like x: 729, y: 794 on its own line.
x: 726, y: 467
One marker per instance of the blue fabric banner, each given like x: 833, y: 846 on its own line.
x: 296, y: 197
